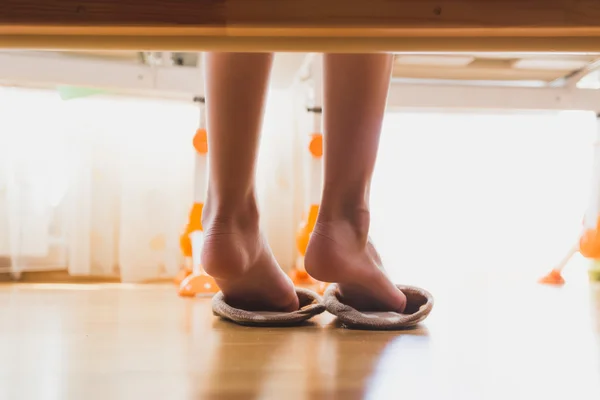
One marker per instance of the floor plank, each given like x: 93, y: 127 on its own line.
x: 112, y: 341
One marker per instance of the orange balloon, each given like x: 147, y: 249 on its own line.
x: 316, y: 145
x: 589, y: 242
x: 201, y: 141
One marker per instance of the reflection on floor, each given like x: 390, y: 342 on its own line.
x: 143, y: 342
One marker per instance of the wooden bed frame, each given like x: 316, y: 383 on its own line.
x: 302, y: 25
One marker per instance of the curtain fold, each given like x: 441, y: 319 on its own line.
x: 103, y: 185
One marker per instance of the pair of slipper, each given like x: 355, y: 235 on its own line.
x: 418, y: 306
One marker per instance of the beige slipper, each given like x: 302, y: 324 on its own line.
x: 418, y: 307
x: 311, y: 304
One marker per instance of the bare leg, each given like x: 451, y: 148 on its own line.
x: 235, y: 252
x: 355, y: 93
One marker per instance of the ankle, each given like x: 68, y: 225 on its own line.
x: 242, y: 214
x: 357, y: 216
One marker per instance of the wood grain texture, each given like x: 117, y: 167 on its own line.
x: 113, y: 12
x: 482, y: 341
x: 312, y: 13
x: 415, y: 13
x: 301, y: 25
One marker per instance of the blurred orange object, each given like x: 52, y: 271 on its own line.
x: 300, y: 276
x: 194, y: 224
x: 198, y: 285
x: 589, y: 247
x: 298, y: 273
x: 195, y: 218
x: 306, y: 229
x: 316, y: 145
x: 553, y: 278
x: 589, y: 243
x: 181, y: 275
x: 185, y: 244
x: 201, y: 141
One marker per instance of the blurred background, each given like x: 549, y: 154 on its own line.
x: 96, y: 164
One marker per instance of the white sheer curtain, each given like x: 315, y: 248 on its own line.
x: 102, y: 185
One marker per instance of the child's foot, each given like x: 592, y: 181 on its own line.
x: 340, y: 251
x: 237, y: 256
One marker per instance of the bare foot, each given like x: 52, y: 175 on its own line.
x: 340, y: 251
x: 237, y: 256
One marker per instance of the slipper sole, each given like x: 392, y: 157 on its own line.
x: 418, y: 306
x: 311, y: 304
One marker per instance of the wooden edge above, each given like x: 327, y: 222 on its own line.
x: 300, y: 31
x: 302, y: 25
x: 237, y: 39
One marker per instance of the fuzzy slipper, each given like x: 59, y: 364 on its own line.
x: 311, y: 304
x: 418, y: 306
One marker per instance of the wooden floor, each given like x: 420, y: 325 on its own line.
x: 110, y: 342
